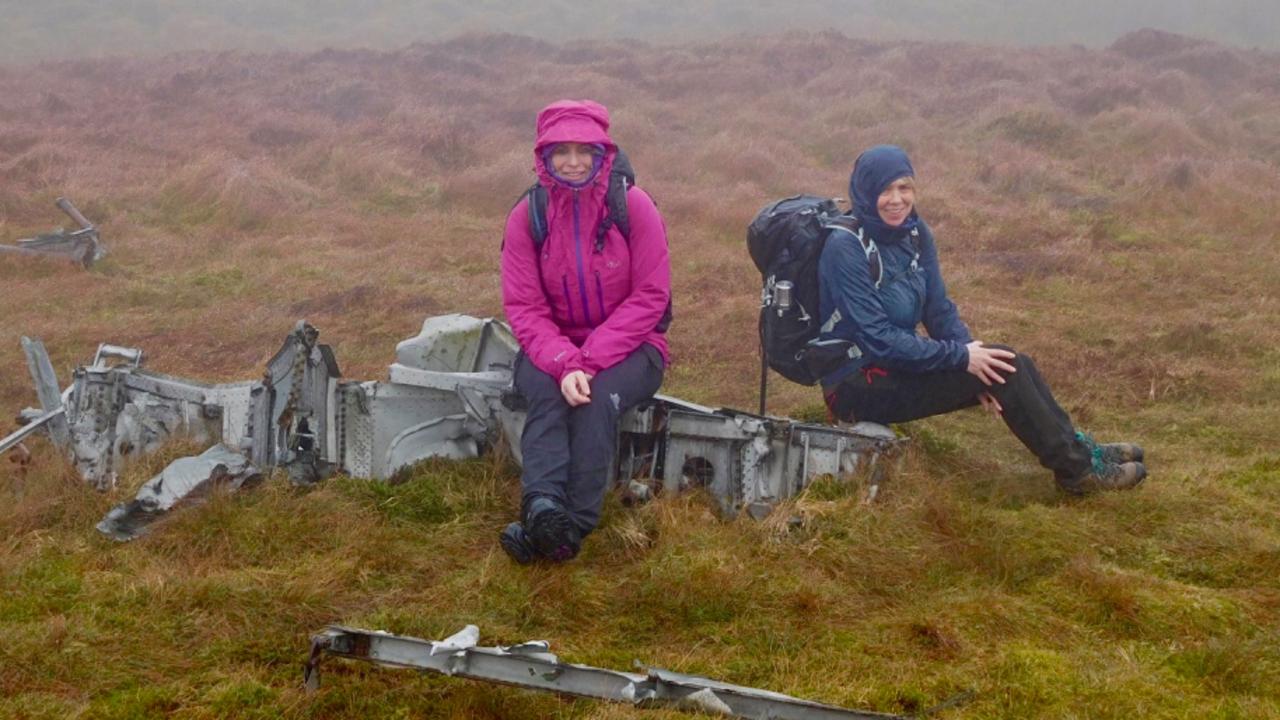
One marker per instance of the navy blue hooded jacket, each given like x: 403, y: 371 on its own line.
x: 882, y: 322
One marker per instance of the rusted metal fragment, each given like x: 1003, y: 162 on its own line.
x: 185, y: 479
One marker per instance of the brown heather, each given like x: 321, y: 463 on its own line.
x: 1111, y: 212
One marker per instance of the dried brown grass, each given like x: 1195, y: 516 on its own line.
x: 1111, y: 213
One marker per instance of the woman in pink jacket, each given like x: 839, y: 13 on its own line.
x: 588, y: 296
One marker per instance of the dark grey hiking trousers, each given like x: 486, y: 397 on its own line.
x: 568, y: 452
x: 892, y: 396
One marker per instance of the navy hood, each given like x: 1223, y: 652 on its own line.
x: 873, y: 171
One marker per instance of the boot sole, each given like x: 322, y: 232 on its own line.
x: 1090, y: 484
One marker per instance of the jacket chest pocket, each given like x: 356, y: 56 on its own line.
x: 903, y: 298
x: 611, y: 274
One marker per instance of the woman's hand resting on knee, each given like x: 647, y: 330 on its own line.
x: 986, y: 363
x: 990, y: 403
x: 576, y: 388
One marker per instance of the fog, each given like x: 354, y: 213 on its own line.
x: 34, y: 31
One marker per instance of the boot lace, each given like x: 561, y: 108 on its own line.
x: 1099, y: 465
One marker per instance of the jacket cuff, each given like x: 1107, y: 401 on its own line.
x: 574, y: 364
x: 587, y: 363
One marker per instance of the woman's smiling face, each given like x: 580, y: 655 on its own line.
x: 573, y: 161
x: 896, y: 202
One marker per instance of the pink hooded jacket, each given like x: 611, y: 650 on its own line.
x: 576, y: 308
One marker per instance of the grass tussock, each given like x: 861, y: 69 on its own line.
x: 1114, y: 220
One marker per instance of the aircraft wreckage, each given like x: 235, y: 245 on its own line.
x: 82, y: 246
x: 449, y: 395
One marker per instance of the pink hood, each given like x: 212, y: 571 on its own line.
x: 581, y: 121
x: 580, y: 306
x: 584, y: 121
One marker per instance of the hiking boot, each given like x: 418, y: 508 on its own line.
x: 1114, y: 453
x: 1106, y: 476
x: 551, y: 530
x: 515, y: 542
x: 1120, y: 453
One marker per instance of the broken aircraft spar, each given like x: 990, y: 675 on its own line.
x: 532, y: 665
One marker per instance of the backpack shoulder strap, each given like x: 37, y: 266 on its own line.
x: 849, y: 225
x: 537, y: 214
x: 621, y: 179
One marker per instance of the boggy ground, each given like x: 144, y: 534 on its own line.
x: 1110, y: 212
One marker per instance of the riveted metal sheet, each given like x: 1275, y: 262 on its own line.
x: 235, y: 399
x: 357, y: 441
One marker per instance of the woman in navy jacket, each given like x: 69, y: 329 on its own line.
x: 899, y: 375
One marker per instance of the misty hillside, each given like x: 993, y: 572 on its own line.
x: 77, y: 28
x: 1034, y: 163
x: 1110, y: 211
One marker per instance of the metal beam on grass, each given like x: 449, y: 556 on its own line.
x: 531, y: 665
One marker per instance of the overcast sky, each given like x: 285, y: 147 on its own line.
x: 35, y: 30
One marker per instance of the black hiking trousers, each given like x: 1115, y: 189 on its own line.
x: 567, y: 452
x: 893, y: 396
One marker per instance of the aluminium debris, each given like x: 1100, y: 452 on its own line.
x: 185, y: 479
x: 46, y: 382
x: 117, y: 409
x: 449, y: 394
x: 82, y: 246
x: 34, y: 424
x: 532, y: 665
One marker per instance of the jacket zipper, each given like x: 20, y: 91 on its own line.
x: 577, y: 250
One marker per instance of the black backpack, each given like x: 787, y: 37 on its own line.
x: 621, y: 178
x: 785, y: 240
